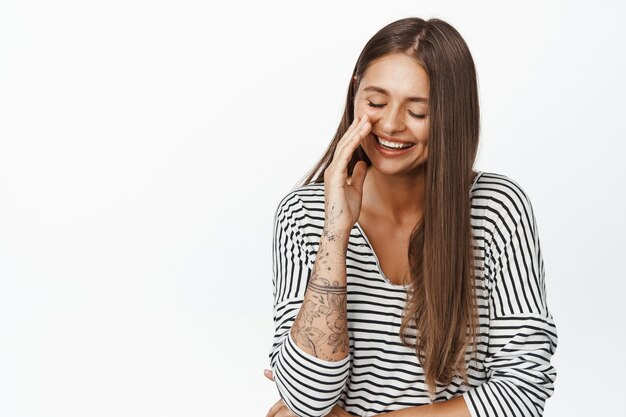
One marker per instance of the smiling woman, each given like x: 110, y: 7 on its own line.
x: 405, y: 282
x: 376, y: 102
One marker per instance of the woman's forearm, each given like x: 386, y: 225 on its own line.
x: 454, y: 407
x: 321, y: 327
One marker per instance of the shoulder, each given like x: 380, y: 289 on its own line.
x: 302, y: 208
x: 503, y: 199
x: 303, y: 200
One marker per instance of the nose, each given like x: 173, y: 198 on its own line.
x: 392, y: 120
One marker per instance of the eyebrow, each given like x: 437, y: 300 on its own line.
x: 383, y: 91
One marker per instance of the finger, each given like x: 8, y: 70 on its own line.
x: 354, y: 124
x: 354, y: 127
x: 274, y: 409
x: 337, y: 411
x: 285, y: 412
x: 345, y: 153
x: 350, y: 134
x: 356, y: 172
x: 358, y: 175
x: 269, y: 374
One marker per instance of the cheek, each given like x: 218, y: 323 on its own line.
x: 422, y: 131
x: 361, y: 109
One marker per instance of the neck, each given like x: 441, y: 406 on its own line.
x: 398, y: 198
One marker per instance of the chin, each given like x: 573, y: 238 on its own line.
x: 392, y: 167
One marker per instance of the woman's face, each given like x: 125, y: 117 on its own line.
x: 394, y: 93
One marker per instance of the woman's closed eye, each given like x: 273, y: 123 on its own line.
x: 378, y: 106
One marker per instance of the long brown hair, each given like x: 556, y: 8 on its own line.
x: 441, y: 306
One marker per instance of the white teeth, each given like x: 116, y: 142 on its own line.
x: 392, y: 144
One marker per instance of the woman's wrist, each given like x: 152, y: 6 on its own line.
x: 334, y: 236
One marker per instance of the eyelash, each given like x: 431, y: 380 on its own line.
x: 377, y: 106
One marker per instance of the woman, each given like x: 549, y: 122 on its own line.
x: 381, y: 244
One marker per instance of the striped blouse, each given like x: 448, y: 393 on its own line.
x: 512, y: 374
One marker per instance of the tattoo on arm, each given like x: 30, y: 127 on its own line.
x: 331, y: 217
x: 329, y: 235
x: 327, y: 303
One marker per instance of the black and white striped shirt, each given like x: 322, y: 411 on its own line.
x: 513, y: 375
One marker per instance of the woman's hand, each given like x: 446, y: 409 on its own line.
x: 337, y: 411
x: 279, y: 409
x: 343, y: 195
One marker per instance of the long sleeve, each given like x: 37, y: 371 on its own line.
x: 308, y: 385
x: 522, y: 331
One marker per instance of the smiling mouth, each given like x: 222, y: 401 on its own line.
x: 394, y: 146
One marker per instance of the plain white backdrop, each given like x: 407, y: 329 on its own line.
x: 144, y: 146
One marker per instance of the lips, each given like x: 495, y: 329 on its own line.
x: 406, y: 144
x: 388, y: 152
x: 403, y: 142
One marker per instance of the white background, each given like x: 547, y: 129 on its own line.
x: 144, y: 146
